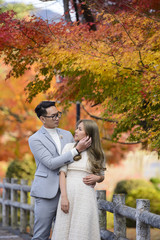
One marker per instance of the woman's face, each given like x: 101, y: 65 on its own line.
x: 79, y: 133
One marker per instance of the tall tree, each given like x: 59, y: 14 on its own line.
x: 91, y: 8
x: 82, y: 10
x: 116, y: 67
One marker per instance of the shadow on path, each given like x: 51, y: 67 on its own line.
x: 10, y: 234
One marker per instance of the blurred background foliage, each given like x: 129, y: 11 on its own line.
x: 24, y: 169
x: 20, y: 9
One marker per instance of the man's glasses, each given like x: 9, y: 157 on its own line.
x: 54, y: 116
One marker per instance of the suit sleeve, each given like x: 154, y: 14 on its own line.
x: 43, y: 155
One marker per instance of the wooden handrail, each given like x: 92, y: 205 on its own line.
x: 15, y: 197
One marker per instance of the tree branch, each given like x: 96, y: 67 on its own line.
x: 126, y: 143
x: 16, y: 116
x: 140, y: 56
x: 99, y: 118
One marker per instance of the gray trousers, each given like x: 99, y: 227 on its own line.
x: 44, y: 215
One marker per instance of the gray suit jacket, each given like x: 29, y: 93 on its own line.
x: 48, y: 161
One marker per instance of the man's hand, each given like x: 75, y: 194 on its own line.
x: 64, y: 204
x: 83, y: 144
x: 92, y: 179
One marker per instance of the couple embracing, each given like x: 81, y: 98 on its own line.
x: 67, y: 170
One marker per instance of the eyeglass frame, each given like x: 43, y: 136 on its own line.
x: 54, y: 116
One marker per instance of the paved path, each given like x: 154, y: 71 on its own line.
x: 9, y: 234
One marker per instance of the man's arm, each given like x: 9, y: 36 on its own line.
x: 52, y: 162
x: 92, y: 179
x: 83, y: 144
x: 45, y: 157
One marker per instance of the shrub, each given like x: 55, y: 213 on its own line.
x: 126, y: 186
x: 156, y: 183
x: 145, y: 193
x: 23, y: 169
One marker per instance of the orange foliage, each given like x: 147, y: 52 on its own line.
x: 17, y: 118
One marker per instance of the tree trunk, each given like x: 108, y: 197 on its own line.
x: 88, y: 15
x: 67, y: 16
x: 76, y: 10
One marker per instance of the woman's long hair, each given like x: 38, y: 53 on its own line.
x: 95, y: 153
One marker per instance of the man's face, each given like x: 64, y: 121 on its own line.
x: 49, y: 121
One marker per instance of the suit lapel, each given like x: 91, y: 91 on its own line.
x: 48, y: 136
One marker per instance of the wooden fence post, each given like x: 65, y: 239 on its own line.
x: 142, y: 229
x: 119, y: 221
x: 23, y: 213
x: 31, y: 220
x: 101, y: 195
x: 14, y: 197
x: 5, y: 208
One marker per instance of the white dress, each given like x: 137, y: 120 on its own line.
x: 82, y: 221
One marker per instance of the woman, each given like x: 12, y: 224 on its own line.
x: 77, y: 213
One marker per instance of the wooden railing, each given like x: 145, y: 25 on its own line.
x: 17, y: 207
x: 17, y: 211
x: 141, y: 215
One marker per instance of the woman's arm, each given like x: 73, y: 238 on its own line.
x: 64, y: 198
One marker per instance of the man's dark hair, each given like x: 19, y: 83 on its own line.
x: 40, y: 110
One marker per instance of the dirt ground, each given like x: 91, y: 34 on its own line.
x: 155, y: 234
x: 131, y: 233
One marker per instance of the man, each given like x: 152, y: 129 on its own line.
x: 46, y: 145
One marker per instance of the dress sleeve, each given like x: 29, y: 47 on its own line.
x: 63, y: 169
x: 66, y: 148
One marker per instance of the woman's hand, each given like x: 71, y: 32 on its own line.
x: 92, y: 179
x: 64, y: 204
